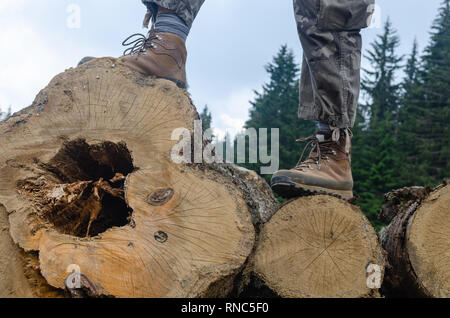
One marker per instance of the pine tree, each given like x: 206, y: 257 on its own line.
x: 277, y: 107
x: 434, y: 138
x: 206, y: 118
x: 375, y: 160
x: 425, y: 133
x: 413, y: 169
x: 412, y: 69
x: 379, y: 83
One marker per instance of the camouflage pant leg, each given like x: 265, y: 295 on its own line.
x: 185, y: 9
x: 329, y: 31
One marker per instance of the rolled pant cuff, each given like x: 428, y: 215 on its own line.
x: 337, y: 122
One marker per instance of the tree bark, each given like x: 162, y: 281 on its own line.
x: 90, y: 190
x: 317, y: 246
x: 417, y: 241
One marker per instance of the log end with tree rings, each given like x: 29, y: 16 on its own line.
x: 417, y: 241
x: 319, y: 246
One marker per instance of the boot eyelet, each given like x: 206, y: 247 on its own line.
x: 153, y: 46
x: 311, y: 167
x: 159, y: 37
x: 334, y: 152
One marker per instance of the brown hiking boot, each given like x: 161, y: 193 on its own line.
x: 327, y: 170
x: 159, y: 54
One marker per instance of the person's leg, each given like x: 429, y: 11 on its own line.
x: 163, y: 52
x: 329, y: 31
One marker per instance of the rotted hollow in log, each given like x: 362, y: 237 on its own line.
x: 83, y: 195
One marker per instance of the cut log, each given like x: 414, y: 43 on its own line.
x: 317, y: 246
x: 417, y: 242
x: 90, y: 189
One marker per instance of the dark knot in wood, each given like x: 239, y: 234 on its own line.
x: 161, y: 237
x: 160, y: 197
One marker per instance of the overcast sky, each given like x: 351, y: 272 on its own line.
x: 229, y: 44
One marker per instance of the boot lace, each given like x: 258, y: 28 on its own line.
x: 321, y: 149
x: 138, y: 43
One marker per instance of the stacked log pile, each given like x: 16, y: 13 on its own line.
x: 92, y: 205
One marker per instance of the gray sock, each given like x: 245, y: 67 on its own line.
x: 323, y: 127
x: 171, y: 23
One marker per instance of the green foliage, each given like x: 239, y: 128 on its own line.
x: 425, y: 113
x: 206, y: 118
x: 402, y: 135
x: 375, y: 167
x: 379, y: 83
x: 375, y: 160
x: 276, y: 106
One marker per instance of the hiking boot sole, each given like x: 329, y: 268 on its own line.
x: 179, y: 83
x: 288, y: 189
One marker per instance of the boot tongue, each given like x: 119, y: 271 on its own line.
x: 322, y: 136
